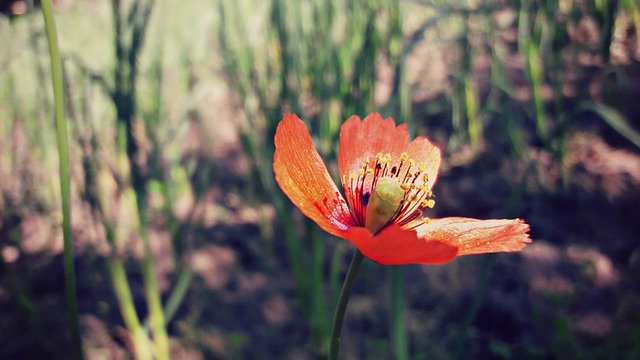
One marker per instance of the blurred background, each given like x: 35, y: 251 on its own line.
x: 172, y: 107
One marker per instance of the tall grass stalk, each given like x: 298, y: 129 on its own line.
x: 470, y: 98
x: 140, y: 341
x: 129, y: 34
x: 65, y: 176
x: 534, y: 30
x: 142, y: 347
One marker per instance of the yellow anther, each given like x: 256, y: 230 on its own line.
x: 430, y: 203
x: 404, y: 157
x: 387, y: 158
x: 405, y: 186
x: 422, y: 167
x: 412, y: 162
x: 369, y: 171
x: 361, y: 171
x: 425, y: 178
x: 426, y: 220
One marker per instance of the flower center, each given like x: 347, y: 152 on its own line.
x: 382, y: 192
x: 383, y: 204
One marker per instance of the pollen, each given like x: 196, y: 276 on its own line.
x: 369, y: 187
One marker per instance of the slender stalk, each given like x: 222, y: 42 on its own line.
x: 185, y: 277
x: 65, y: 178
x: 397, y: 319
x: 152, y: 292
x: 140, y: 341
x: 341, y: 308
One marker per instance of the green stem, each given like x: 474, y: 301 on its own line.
x: 152, y: 292
x: 338, y: 317
x: 185, y: 277
x: 65, y: 178
x: 140, y: 341
x: 397, y: 319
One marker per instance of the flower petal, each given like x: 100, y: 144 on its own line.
x: 395, y: 245
x: 473, y: 236
x: 361, y: 139
x: 302, y: 175
x: 427, y: 154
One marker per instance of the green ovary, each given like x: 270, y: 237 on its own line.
x: 383, y: 204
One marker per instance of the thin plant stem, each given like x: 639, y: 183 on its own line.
x: 140, y: 341
x: 185, y: 277
x: 152, y: 292
x: 343, y: 300
x: 397, y: 319
x: 65, y: 178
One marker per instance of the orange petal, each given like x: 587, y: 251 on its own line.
x: 395, y: 246
x: 302, y: 175
x: 427, y: 154
x: 473, y: 236
x: 361, y: 139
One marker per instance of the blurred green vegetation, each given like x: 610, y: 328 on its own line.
x: 155, y: 90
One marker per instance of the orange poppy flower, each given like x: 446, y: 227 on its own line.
x: 387, y: 182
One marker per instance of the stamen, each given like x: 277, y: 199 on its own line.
x: 365, y: 198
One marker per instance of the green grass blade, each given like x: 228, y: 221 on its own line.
x: 65, y: 176
x: 612, y: 117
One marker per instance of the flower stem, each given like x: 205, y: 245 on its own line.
x: 65, y: 178
x: 338, y: 317
x: 397, y: 320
